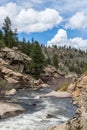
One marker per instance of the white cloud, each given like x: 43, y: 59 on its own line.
x: 79, y: 42
x: 10, y: 10
x: 78, y: 21
x: 60, y: 39
x: 30, y: 20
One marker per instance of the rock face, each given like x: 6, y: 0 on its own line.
x: 53, y: 76
x: 79, y: 93
x: 51, y: 71
x: 14, y: 57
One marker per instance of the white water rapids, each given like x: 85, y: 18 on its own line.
x: 35, y: 117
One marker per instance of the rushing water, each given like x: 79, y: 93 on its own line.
x: 35, y: 117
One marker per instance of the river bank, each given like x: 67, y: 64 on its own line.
x: 79, y: 92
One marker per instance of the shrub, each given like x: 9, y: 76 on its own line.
x: 64, y: 87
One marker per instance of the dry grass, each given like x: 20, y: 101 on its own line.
x: 64, y: 87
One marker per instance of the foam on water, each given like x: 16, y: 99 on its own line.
x: 30, y: 122
x: 36, y: 119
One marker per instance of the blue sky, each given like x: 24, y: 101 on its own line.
x: 51, y: 22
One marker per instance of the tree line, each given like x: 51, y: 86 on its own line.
x: 9, y: 38
x: 33, y: 48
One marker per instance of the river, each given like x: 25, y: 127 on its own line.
x: 38, y: 111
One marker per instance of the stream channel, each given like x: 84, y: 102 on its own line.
x: 38, y: 111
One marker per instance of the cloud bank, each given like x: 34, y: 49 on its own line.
x: 30, y: 20
x: 60, y: 39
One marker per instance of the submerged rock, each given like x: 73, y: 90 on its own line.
x: 57, y: 94
x: 10, y: 92
x: 51, y: 116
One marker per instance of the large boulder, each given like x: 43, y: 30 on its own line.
x: 9, y: 109
x: 14, y: 57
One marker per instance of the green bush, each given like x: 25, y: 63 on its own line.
x: 3, y: 82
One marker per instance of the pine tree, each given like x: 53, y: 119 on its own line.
x: 1, y: 39
x: 9, y: 35
x: 25, y: 48
x: 38, y: 59
x: 49, y: 61
x: 55, y: 60
x: 1, y: 34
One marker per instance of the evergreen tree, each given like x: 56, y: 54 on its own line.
x: 55, y: 60
x: 1, y: 34
x: 1, y: 39
x: 9, y: 35
x: 25, y: 48
x: 49, y: 61
x: 38, y: 59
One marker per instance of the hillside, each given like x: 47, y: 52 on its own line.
x: 65, y: 59
x: 68, y: 59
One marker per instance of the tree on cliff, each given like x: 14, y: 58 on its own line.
x: 55, y: 60
x: 9, y: 36
x: 25, y: 47
x: 38, y: 59
x: 1, y: 39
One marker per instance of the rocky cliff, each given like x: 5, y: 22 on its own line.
x: 79, y: 93
x: 13, y: 65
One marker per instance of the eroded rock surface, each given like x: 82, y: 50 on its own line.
x: 18, y: 60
